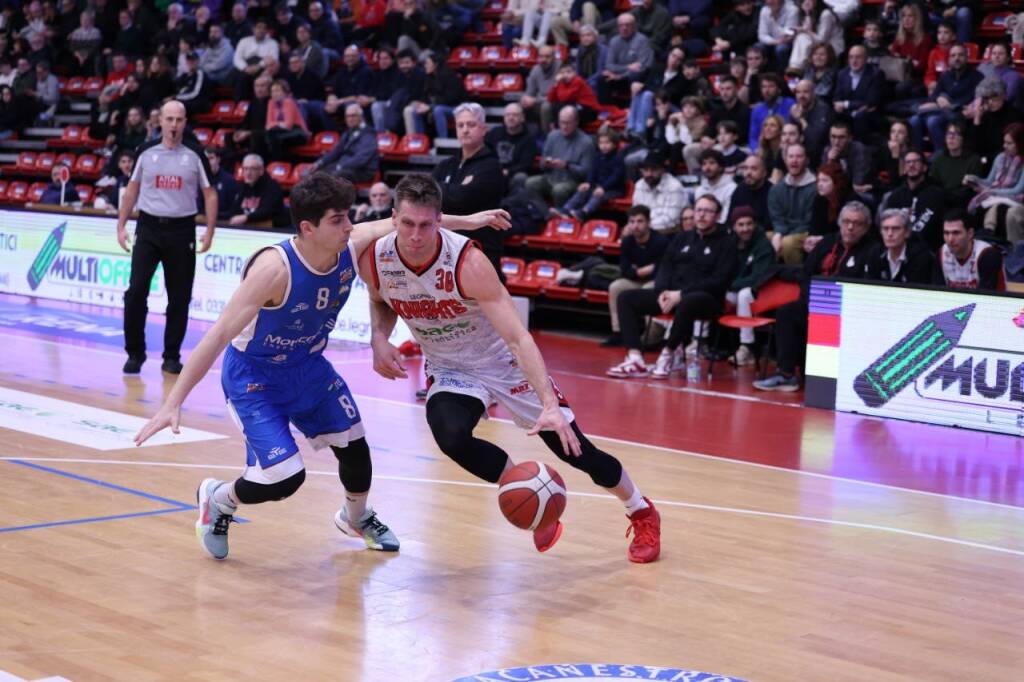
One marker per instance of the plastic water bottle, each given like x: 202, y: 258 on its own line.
x: 693, y: 369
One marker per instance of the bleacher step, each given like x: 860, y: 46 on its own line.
x: 43, y: 132
x: 23, y: 144
x: 68, y: 119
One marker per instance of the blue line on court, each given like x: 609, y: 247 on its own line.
x: 94, y: 519
x: 104, y: 484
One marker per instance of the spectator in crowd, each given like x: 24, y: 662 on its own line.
x: 999, y: 66
x: 754, y: 259
x: 380, y: 206
x: 538, y: 82
x: 748, y: 71
x: 725, y: 142
x: 238, y: 26
x: 938, y: 58
x: 899, y: 258
x: 607, y: 179
x: 969, y: 263
x: 286, y: 127
x: 310, y: 51
x: 691, y: 17
x: 891, y: 163
x: 833, y: 192
x: 157, y: 84
x: 325, y: 29
x: 860, y: 88
x: 387, y: 80
x: 814, y: 117
x: 654, y: 20
x: 53, y: 192
x: 772, y: 103
x: 690, y: 281
x: 590, y: 56
x: 1004, y: 185
x: 843, y: 254
x: 816, y: 24
x: 442, y: 92
x: 252, y: 130
x: 260, y: 199
x: 820, y: 69
x: 852, y: 155
x: 514, y: 143
x: 640, y: 251
x: 959, y: 12
x: 408, y: 28
x: 629, y: 59
x: 954, y: 91
x: 47, y: 92
x: 753, y: 191
x: 131, y: 134
x: 354, y: 80
x: 569, y: 89
x: 567, y: 157
x: 729, y: 107
x: 86, y: 40
x: 874, y: 42
x: 538, y: 19
x: 223, y: 181
x: 950, y: 166
x: 660, y: 192
x: 914, y: 44
x: 472, y: 180
x: 217, y: 58
x: 252, y: 55
x: 988, y: 116
x: 130, y: 39
x: 512, y: 17
x: 776, y: 28
x: 791, y: 206
x: 109, y: 187
x: 737, y: 30
x: 922, y: 199
x: 306, y: 86
x: 714, y: 180
x: 773, y: 143
x: 194, y: 89
x: 685, y: 130
x: 355, y: 156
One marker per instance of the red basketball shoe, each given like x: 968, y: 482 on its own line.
x: 546, y: 537
x: 646, y: 528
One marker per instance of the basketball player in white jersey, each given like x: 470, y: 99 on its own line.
x: 274, y: 373
x: 478, y: 350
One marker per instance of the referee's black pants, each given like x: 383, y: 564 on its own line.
x: 171, y: 242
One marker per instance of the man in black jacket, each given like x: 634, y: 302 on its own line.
x: 752, y: 191
x: 260, y: 199
x: 899, y: 258
x: 690, y: 282
x: 841, y: 254
x: 641, y: 249
x: 472, y: 180
x: 924, y: 201
x: 859, y: 91
x: 515, y: 144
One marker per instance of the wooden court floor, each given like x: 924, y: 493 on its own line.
x: 766, y: 573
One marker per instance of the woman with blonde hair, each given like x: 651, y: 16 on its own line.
x: 769, y: 146
x: 912, y: 43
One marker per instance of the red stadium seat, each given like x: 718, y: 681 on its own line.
x: 75, y: 86
x: 321, y: 143
x: 62, y: 84
x: 67, y: 158
x: 71, y: 136
x: 298, y: 172
x: 993, y: 25
x: 26, y: 164
x: 44, y: 163
x: 3, y: 190
x: 220, y: 138
x: 241, y: 109
x: 85, y: 193
x: 17, y: 191
x: 387, y: 143
x: 35, y: 191
x: 477, y: 83
x: 462, y: 55
x: 280, y: 171
x: 491, y: 34
x: 773, y: 295
x: 204, y: 135
x: 592, y: 236
x: 624, y: 202
x: 514, y: 270
x: 520, y: 56
x: 222, y: 109
x: 544, y: 273
x: 87, y: 166
x: 493, y: 10
x: 555, y: 231
x: 414, y: 143
x: 93, y: 85
x: 596, y: 296
x: 507, y: 82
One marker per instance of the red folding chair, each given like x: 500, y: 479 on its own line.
x: 771, y: 296
x: 555, y: 232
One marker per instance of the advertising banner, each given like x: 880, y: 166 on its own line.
x: 943, y: 357
x: 76, y: 258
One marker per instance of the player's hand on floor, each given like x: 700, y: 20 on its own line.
x: 496, y: 217
x: 552, y: 419
x: 165, y: 416
x: 387, y: 362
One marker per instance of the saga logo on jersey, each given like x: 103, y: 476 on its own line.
x: 445, y: 330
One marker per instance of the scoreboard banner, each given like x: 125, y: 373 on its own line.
x: 76, y: 258
x: 943, y: 357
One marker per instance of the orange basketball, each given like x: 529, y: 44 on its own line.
x: 531, y: 495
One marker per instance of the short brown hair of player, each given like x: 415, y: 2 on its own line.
x: 318, y: 193
x: 419, y: 189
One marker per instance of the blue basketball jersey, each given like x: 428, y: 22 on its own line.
x: 297, y: 329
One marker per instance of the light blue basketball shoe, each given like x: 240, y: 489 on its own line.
x: 374, y: 533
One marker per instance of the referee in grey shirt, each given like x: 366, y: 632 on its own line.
x: 165, y: 183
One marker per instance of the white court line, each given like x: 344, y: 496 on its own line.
x: 667, y: 503
x: 688, y: 453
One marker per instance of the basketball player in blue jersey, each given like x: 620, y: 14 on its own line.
x: 275, y: 327
x: 477, y: 351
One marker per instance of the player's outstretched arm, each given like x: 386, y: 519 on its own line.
x: 364, y: 234
x: 479, y: 281
x: 265, y: 283
x: 387, y: 361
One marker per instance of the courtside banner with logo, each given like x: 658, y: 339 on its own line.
x: 922, y: 354
x: 76, y: 258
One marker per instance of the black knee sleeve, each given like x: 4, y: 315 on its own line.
x: 354, y: 466
x: 603, y: 469
x: 452, y: 418
x: 248, y: 492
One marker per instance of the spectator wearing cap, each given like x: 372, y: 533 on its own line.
x: 566, y: 160
x: 660, y: 192
x: 899, y: 258
x: 754, y: 258
x: 714, y: 180
x: 640, y: 251
x: 791, y: 205
x: 194, y: 89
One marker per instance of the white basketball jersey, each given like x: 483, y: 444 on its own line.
x: 962, y: 275
x: 451, y: 329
